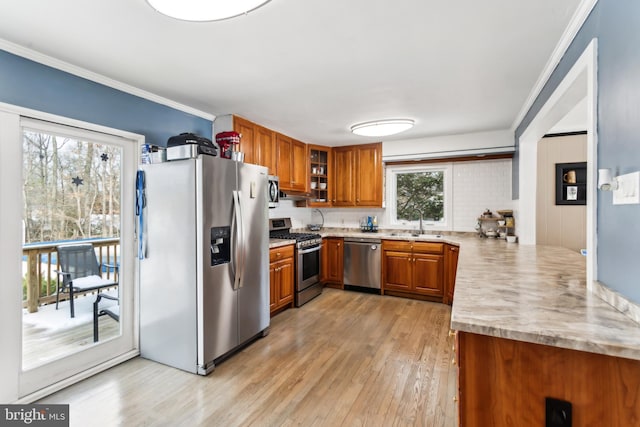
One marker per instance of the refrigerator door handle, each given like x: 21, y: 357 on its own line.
x: 236, y: 241
x: 241, y: 240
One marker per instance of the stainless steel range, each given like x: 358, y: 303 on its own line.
x: 307, y: 268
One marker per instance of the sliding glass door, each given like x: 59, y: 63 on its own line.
x: 78, y: 246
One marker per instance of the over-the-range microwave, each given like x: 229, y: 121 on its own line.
x: 273, y: 191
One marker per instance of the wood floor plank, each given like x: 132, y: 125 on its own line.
x: 345, y: 358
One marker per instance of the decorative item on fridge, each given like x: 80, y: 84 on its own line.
x: 226, y: 141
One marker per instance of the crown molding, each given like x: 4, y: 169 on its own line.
x: 579, y: 17
x: 98, y: 78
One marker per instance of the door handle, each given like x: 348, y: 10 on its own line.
x: 237, y: 250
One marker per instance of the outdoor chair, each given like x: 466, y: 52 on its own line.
x: 80, y: 272
x: 112, y: 311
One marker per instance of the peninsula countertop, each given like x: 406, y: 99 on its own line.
x: 530, y: 293
x: 536, y: 294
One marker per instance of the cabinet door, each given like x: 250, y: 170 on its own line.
x: 247, y: 142
x: 274, y: 285
x: 397, y: 270
x: 283, y: 161
x: 451, y: 268
x: 335, y: 265
x: 324, y: 262
x: 369, y: 175
x: 285, y: 270
x: 428, y: 274
x: 266, y: 148
x: 344, y: 185
x: 299, y: 165
x: 320, y: 178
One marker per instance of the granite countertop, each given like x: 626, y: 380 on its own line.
x: 276, y: 243
x: 393, y: 235
x: 536, y: 294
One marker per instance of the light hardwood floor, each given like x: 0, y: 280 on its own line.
x: 345, y: 358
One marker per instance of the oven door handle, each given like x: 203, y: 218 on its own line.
x: 306, y: 251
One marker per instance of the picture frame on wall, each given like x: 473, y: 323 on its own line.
x: 571, y: 183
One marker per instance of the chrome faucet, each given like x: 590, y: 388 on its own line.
x: 421, y: 229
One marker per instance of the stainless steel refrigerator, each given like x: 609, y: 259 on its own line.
x: 204, y: 284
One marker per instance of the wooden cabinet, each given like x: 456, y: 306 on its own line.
x: 247, y: 130
x: 344, y: 177
x: 281, y: 278
x: 357, y: 175
x: 320, y: 168
x: 369, y: 175
x: 291, y: 163
x: 451, y: 253
x: 332, y: 262
x: 257, y: 143
x: 413, y: 268
x: 265, y: 146
x: 603, y: 390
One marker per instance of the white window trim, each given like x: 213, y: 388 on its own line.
x: 391, y: 179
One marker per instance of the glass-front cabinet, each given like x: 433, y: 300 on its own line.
x: 320, y: 185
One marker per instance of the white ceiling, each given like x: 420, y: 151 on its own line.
x: 312, y: 68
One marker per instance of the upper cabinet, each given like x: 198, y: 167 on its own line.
x: 265, y: 144
x: 339, y: 176
x: 291, y: 163
x: 357, y: 172
x: 319, y: 173
x: 247, y: 145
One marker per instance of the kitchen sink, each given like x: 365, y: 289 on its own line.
x: 426, y: 236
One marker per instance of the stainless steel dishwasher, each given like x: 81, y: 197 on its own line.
x: 362, y: 259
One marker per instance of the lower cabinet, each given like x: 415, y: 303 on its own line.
x: 503, y: 382
x: 415, y: 268
x: 281, y: 278
x: 332, y: 262
x: 451, y: 254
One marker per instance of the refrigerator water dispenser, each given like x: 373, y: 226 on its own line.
x: 220, y: 245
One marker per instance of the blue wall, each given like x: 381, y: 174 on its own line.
x: 26, y: 83
x: 616, y: 25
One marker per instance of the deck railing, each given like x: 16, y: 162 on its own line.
x: 41, y: 278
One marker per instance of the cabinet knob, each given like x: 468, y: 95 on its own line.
x: 455, y: 398
x: 358, y: 200
x: 338, y: 245
x: 453, y: 361
x: 278, y: 254
x: 452, y: 333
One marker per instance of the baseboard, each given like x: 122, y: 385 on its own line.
x: 619, y: 302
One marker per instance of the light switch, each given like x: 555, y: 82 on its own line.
x: 628, y: 191
x: 252, y: 190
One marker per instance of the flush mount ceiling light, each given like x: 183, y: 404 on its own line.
x: 382, y: 127
x: 205, y: 10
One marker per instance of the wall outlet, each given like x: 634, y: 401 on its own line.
x: 557, y: 413
x: 628, y: 191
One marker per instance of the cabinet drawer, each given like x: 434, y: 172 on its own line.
x: 397, y: 245
x: 428, y: 247
x: 282, y: 252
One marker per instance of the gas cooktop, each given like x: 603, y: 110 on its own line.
x: 280, y: 228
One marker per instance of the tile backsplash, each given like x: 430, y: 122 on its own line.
x: 477, y: 185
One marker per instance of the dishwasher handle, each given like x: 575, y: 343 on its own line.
x: 363, y: 241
